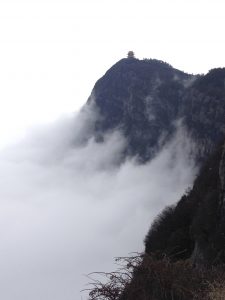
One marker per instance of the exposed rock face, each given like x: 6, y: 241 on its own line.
x: 145, y: 98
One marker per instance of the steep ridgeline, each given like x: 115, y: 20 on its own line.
x: 195, y: 227
x: 184, y: 257
x: 145, y: 98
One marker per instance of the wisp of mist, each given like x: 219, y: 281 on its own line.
x: 68, y: 205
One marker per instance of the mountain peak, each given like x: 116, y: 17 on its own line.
x: 145, y: 98
x: 150, y: 102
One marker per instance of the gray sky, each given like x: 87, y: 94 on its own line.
x: 52, y: 52
x: 66, y: 211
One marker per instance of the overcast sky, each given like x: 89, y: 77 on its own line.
x: 52, y: 52
x: 66, y: 211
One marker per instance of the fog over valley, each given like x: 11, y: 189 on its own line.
x: 69, y: 205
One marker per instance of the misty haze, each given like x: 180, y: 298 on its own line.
x: 69, y: 205
x: 112, y: 142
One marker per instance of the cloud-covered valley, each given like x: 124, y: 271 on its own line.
x: 68, y: 206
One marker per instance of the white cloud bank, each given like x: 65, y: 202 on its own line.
x: 67, y: 210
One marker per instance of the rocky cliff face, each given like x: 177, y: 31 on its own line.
x: 145, y: 98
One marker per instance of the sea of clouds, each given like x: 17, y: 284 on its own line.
x: 68, y: 205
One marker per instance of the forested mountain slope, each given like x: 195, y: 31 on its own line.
x: 146, y: 99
